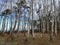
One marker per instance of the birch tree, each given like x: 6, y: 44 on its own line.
x: 15, y: 22
x: 11, y: 31
x: 52, y: 21
x: 55, y: 17
x: 19, y: 4
x: 43, y: 18
x: 4, y: 21
x: 32, y: 18
x: 4, y: 13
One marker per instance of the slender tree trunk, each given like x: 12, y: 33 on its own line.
x: 15, y: 25
x: 18, y: 22
x: 55, y: 17
x: 18, y: 15
x: 28, y: 30
x: 29, y: 25
x: 11, y: 31
x: 52, y: 24
x: 43, y: 26
x: 47, y: 26
x: 52, y: 33
x: 47, y: 17
x: 24, y: 26
x: 4, y: 18
x: 43, y: 20
x: 32, y: 18
x: 4, y: 22
x: 55, y: 26
x: 39, y: 18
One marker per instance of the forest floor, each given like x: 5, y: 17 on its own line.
x: 20, y: 39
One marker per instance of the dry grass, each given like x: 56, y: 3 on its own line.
x: 20, y: 39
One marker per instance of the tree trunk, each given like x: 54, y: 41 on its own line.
x: 28, y: 30
x: 15, y: 25
x: 29, y: 24
x: 55, y: 26
x: 18, y: 15
x: 39, y: 18
x: 32, y: 18
x: 43, y: 26
x: 4, y: 20
x: 11, y: 31
x: 18, y: 23
x: 47, y: 24
x: 52, y: 31
x: 47, y: 15
x: 55, y: 17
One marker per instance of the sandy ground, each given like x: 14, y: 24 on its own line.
x: 20, y: 39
